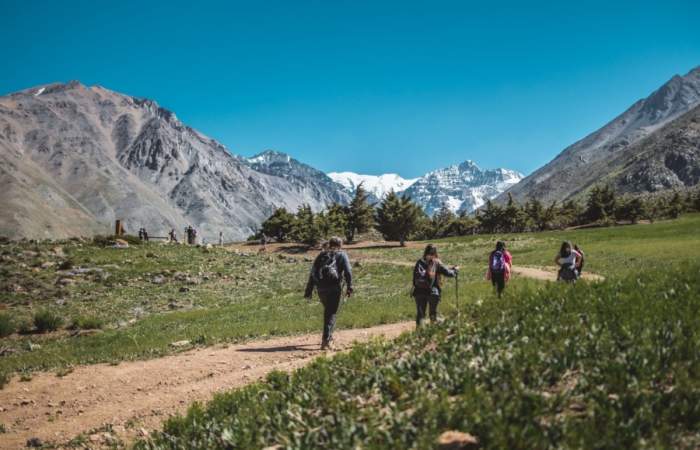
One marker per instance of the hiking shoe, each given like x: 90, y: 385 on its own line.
x: 328, y: 345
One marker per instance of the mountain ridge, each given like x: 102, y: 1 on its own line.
x: 579, y: 166
x: 89, y: 155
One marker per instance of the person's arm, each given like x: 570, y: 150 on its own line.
x: 347, y: 272
x: 556, y: 260
x: 308, y: 292
x: 444, y: 270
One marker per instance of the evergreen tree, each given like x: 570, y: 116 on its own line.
x: 631, y: 209
x: 490, y: 217
x: 397, y: 217
x: 306, y: 227
x: 569, y: 214
x: 601, y: 204
x: 535, y: 213
x: 443, y: 221
x: 514, y: 218
x: 359, y: 215
x: 675, y: 206
x: 332, y: 222
x: 465, y: 224
x: 279, y: 225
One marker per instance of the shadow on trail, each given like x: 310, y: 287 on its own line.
x: 281, y: 348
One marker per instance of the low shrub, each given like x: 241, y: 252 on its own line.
x: 87, y: 323
x: 47, y: 320
x: 66, y: 265
x: 24, y: 327
x: 7, y: 325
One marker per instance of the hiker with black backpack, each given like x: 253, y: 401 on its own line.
x: 567, y: 259
x: 330, y: 268
x: 500, y: 266
x: 427, y: 286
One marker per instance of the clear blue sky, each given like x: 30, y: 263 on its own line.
x: 372, y: 87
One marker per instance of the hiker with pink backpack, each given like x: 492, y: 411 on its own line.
x: 500, y: 266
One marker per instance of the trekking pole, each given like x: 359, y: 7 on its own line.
x: 457, y: 297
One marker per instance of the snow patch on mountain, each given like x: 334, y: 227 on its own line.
x: 464, y: 187
x: 377, y: 185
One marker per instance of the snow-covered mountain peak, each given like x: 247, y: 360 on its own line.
x: 377, y: 185
x: 270, y: 156
x: 460, y: 187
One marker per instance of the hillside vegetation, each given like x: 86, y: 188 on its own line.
x: 123, y: 304
x: 609, y: 365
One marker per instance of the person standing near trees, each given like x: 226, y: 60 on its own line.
x: 330, y: 268
x: 500, y: 266
x: 427, y: 287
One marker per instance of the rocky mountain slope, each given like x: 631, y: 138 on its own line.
x: 75, y: 158
x: 376, y: 185
x: 462, y: 187
x: 311, y: 182
x: 608, y: 152
x: 667, y: 159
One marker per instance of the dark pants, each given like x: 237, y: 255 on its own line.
x: 498, y: 280
x: 423, y: 302
x: 331, y: 301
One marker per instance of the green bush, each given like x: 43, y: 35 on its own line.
x: 87, y: 323
x: 47, y: 320
x: 24, y: 327
x: 7, y: 325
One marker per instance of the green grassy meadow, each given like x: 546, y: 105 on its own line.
x: 148, y: 296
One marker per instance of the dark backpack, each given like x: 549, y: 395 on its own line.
x: 421, y: 277
x: 498, y: 262
x: 326, y: 270
x: 567, y: 273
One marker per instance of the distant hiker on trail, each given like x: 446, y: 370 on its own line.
x: 145, y: 235
x: 500, y: 266
x: 427, y: 286
x: 567, y: 259
x: 191, y: 234
x: 172, y: 235
x: 263, y: 241
x: 579, y: 266
x: 140, y: 234
x: 328, y: 271
x: 221, y: 238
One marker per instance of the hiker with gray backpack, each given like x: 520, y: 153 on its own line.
x: 330, y: 268
x: 500, y: 266
x: 427, y: 286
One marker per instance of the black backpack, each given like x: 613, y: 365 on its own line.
x: 421, y: 277
x: 567, y: 273
x: 326, y: 272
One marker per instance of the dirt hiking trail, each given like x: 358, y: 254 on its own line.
x: 134, y: 397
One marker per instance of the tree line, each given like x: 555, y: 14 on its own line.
x: 398, y: 218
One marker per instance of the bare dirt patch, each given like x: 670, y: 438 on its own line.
x: 134, y: 397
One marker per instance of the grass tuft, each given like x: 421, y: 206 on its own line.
x: 47, y: 320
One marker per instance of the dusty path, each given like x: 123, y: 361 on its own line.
x: 550, y: 274
x: 134, y: 397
